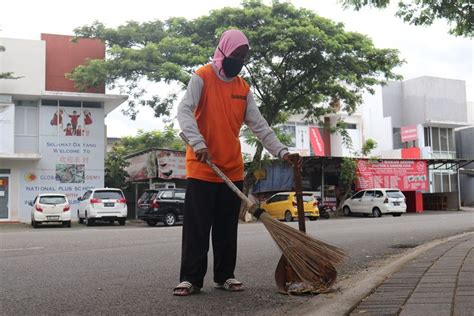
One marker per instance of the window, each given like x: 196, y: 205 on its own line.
x: 351, y: 126
x: 108, y: 195
x: 358, y: 195
x: 435, y: 140
x: 180, y: 195
x: 451, y: 144
x: 167, y: 195
x: 395, y: 194
x: 369, y: 194
x: 427, y: 131
x: 26, y: 118
x: 443, y: 138
x: 52, y: 199
x: 378, y: 194
x: 87, y: 195
x: 396, y: 138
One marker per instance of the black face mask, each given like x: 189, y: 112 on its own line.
x: 231, y: 66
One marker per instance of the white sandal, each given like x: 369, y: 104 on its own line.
x: 231, y: 285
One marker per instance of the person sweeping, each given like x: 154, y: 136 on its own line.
x: 215, y: 106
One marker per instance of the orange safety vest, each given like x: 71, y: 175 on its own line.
x: 219, y: 115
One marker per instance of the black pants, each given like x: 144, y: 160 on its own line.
x: 209, y: 205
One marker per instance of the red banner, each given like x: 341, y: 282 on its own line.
x: 316, y: 140
x: 408, y: 133
x: 406, y: 175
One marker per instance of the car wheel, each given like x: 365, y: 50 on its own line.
x: 376, y: 212
x: 170, y: 219
x: 288, y: 217
x: 35, y: 224
x: 397, y: 214
x: 111, y: 222
x: 347, y: 211
x: 122, y: 221
x: 67, y: 224
x: 81, y: 220
x: 151, y: 223
x: 89, y: 221
x: 313, y: 218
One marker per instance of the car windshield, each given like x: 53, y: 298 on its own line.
x: 394, y: 194
x: 52, y: 199
x: 308, y: 198
x: 108, y: 195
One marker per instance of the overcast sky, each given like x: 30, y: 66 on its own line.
x: 428, y: 51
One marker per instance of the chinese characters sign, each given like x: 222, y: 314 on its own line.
x: 406, y: 175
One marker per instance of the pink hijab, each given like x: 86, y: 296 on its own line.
x: 230, y: 40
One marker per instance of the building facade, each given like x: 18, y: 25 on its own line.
x: 52, y: 137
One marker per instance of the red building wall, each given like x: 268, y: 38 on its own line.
x: 62, y: 56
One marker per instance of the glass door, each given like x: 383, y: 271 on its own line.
x: 4, y: 210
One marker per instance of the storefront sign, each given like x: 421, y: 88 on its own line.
x: 316, y: 140
x: 164, y: 164
x: 406, y: 175
x: 408, y: 133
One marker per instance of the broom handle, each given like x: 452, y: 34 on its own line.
x: 231, y: 185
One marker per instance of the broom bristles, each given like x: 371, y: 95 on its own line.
x: 311, y: 259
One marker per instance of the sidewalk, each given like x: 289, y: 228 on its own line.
x: 438, y: 282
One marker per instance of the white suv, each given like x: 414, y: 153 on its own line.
x: 376, y: 202
x: 102, y: 204
x: 50, y: 208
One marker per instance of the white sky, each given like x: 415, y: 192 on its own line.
x: 429, y: 51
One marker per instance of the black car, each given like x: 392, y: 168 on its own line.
x: 164, y: 205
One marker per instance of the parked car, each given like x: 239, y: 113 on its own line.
x: 165, y: 205
x: 50, y: 208
x: 146, y: 196
x: 104, y: 204
x: 376, y: 202
x: 282, y: 206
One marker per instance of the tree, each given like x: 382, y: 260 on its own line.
x: 115, y: 163
x: 299, y: 61
x: 458, y: 13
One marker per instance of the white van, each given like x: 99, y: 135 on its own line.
x: 104, y: 204
x: 376, y: 202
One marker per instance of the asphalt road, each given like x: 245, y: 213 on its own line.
x: 132, y: 269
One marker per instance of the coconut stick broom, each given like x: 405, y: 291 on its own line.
x: 311, y: 259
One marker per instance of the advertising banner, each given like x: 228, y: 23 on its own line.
x: 408, y: 133
x: 316, y: 140
x: 71, y: 145
x: 171, y: 164
x: 142, y: 167
x: 406, y: 175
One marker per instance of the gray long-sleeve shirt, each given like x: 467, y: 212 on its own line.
x: 253, y: 119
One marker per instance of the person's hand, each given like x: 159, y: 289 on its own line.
x: 293, y: 159
x: 202, y: 155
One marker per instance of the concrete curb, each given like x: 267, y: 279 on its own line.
x: 351, y: 291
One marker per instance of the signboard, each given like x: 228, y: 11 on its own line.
x: 406, y: 175
x: 316, y: 140
x: 71, y: 144
x: 408, y: 133
x: 171, y: 164
x: 164, y: 164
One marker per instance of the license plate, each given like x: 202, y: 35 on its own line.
x: 307, y: 213
x: 109, y: 204
x: 396, y: 203
x: 52, y: 218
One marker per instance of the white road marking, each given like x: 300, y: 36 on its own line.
x: 19, y: 249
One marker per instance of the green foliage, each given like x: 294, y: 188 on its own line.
x: 115, y: 163
x: 458, y: 13
x: 298, y: 62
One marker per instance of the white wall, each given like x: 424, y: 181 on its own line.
x: 338, y: 149
x: 376, y: 126
x: 26, y: 59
